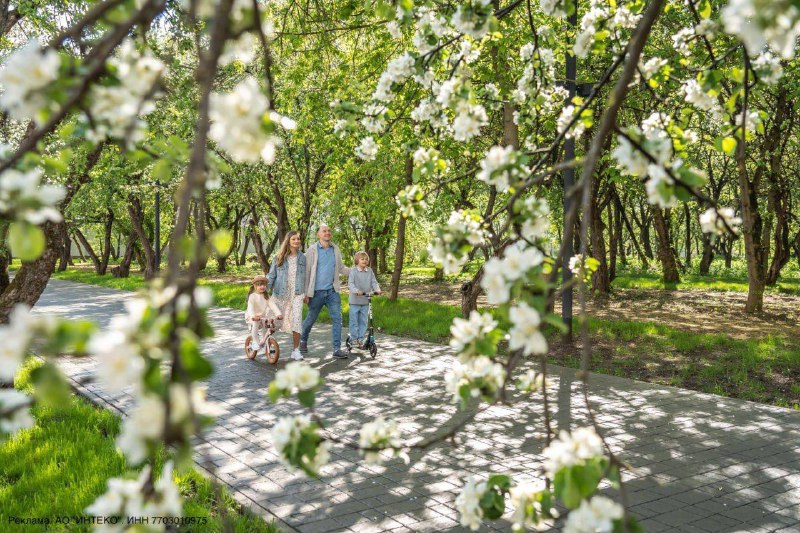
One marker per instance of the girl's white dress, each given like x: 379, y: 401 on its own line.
x: 290, y: 303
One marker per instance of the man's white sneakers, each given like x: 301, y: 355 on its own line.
x: 296, y: 355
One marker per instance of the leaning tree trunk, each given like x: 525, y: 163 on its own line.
x: 665, y: 255
x: 470, y: 291
x: 123, y: 270
x: 66, y: 249
x: 89, y: 250
x: 400, y: 248
x: 32, y: 277
x: 136, y: 214
x: 258, y: 244
x: 707, y: 255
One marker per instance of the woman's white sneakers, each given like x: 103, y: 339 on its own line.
x: 296, y: 355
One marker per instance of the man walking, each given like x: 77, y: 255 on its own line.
x: 323, y: 268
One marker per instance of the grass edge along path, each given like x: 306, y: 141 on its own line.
x: 765, y: 370
x: 61, y: 465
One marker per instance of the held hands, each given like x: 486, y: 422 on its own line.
x: 360, y: 293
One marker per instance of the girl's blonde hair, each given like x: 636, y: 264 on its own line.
x: 359, y: 255
x: 284, y: 251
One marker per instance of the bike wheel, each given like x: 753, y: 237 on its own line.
x: 273, y: 351
x: 249, y: 352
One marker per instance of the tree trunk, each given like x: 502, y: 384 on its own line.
x: 708, y: 255
x: 124, y: 268
x: 470, y: 291
x: 135, y: 212
x: 32, y: 277
x: 613, y: 245
x: 109, y: 224
x: 665, y: 255
x: 438, y: 274
x: 88, y: 247
x: 66, y: 249
x: 400, y: 247
x: 778, y: 204
x: 600, y: 280
x: 688, y: 251
x: 243, y: 257
x: 258, y: 244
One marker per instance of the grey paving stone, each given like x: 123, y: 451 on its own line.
x: 732, y: 464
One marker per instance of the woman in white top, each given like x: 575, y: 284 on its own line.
x: 286, y: 279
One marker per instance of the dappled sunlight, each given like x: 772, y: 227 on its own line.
x: 689, y: 452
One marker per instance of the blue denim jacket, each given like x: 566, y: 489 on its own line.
x: 276, y: 279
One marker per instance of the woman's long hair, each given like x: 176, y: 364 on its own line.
x: 284, y: 251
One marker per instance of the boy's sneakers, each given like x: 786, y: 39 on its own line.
x: 303, y: 348
x: 296, y: 355
x: 339, y: 354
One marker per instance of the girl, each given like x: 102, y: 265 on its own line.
x: 361, y: 282
x: 259, y: 309
x: 286, y: 279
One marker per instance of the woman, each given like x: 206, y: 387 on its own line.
x: 286, y: 280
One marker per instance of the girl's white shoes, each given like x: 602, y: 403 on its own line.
x: 296, y: 355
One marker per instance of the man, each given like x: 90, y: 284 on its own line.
x: 323, y: 268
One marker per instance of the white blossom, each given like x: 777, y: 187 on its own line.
x: 480, y: 373
x: 411, y: 201
x: 119, y: 363
x: 472, y: 18
x: 532, y: 381
x: 537, y: 218
x: 468, y: 503
x: 465, y: 332
x: 297, y: 376
x: 494, y: 282
x: 398, y: 70
x: 567, y: 114
x: 242, y: 49
x: 368, y: 149
x: 751, y: 123
x: 525, y: 334
x: 286, y: 434
x: 651, y: 67
x: 16, y: 337
x: 469, y: 121
x: 394, y: 29
x: 763, y: 22
x: 522, y: 497
x: 576, y: 264
x: 27, y: 72
x: 718, y: 221
x: 503, y: 168
x: 143, y: 427
x: 571, y: 449
x: 682, y: 39
x: 16, y: 403
x: 24, y: 197
x: 768, y: 67
x: 373, y: 118
x: 594, y: 516
x: 554, y: 8
x: 378, y: 434
x: 237, y: 123
x: 659, y: 187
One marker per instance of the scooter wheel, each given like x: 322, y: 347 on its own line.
x: 273, y: 351
x: 249, y: 352
x: 373, y: 350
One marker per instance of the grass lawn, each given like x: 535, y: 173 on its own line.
x: 766, y: 370
x: 61, y: 465
x: 646, y: 280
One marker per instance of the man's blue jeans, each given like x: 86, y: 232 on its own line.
x: 333, y: 301
x: 358, y: 321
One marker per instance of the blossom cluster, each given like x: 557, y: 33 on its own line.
x: 531, y: 382
x: 296, y: 377
x: 503, y: 167
x: 597, y: 514
x: 377, y: 438
x: 373, y: 120
x: 411, y: 200
x: 719, y: 221
x: 368, y: 149
x: 477, y: 377
x: 571, y: 449
x: 759, y: 23
x: 526, y: 499
x: 299, y: 444
x: 525, y: 334
x: 468, y: 503
x: 535, y: 216
x: 430, y: 29
x: 243, y: 125
x: 451, y: 244
x: 473, y: 18
x: 427, y: 163
x: 24, y: 197
x: 27, y: 74
x: 115, y: 110
x: 499, y: 275
x: 131, y: 498
x: 467, y: 333
x: 397, y: 71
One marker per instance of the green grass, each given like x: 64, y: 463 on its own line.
x: 646, y: 280
x: 61, y: 465
x: 765, y: 370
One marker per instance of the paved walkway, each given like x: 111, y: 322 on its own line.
x: 701, y: 462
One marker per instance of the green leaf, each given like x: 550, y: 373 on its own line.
x: 274, y: 392
x: 306, y: 397
x: 193, y: 362
x: 26, y: 240
x: 162, y: 170
x: 728, y: 145
x: 220, y: 241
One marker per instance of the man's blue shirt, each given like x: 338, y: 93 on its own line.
x: 326, y: 265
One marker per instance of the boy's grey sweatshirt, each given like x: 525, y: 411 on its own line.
x: 361, y: 281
